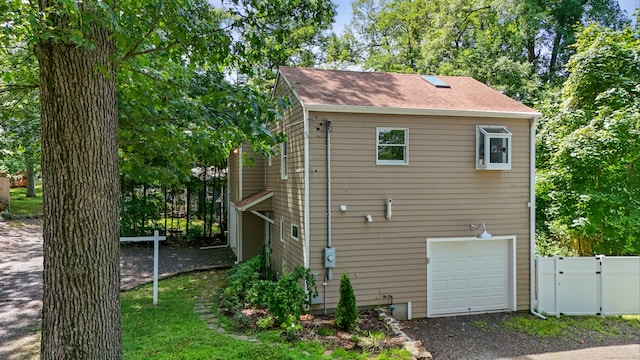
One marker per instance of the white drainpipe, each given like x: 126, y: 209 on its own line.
x: 307, y: 230
x: 532, y: 219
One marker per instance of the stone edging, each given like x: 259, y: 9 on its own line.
x: 418, y: 352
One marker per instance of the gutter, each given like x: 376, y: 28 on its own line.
x: 532, y: 219
x: 418, y: 111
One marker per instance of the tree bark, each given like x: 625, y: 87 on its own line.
x: 81, y: 304
x: 31, y: 184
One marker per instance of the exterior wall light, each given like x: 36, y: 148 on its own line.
x: 484, y: 234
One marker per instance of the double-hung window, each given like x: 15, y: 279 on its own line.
x: 284, y: 161
x: 392, y: 146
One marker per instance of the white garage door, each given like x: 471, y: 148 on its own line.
x: 470, y: 276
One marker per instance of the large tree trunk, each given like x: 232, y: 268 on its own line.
x: 31, y: 184
x: 81, y: 308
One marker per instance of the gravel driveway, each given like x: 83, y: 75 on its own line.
x: 485, y: 337
x: 20, y: 283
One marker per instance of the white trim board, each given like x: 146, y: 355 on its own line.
x: 511, y: 295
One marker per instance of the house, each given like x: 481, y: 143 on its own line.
x: 392, y: 178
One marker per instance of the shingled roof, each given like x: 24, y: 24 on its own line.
x: 377, y: 91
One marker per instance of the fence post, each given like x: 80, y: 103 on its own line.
x: 156, y: 243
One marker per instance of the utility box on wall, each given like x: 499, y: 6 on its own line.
x: 329, y: 257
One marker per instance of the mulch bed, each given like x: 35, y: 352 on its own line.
x: 366, y: 336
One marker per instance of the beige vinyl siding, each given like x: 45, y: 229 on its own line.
x: 253, y: 172
x: 253, y: 236
x: 288, y: 198
x: 438, y: 194
x: 234, y: 176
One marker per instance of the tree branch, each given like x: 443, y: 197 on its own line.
x: 149, y: 51
x: 11, y: 88
x: 133, y: 51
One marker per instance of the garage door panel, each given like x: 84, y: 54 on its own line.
x: 469, y: 276
x: 459, y: 265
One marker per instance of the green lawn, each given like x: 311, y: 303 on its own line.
x: 22, y: 206
x: 172, y: 330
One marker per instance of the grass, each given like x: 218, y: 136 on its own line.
x: 571, y: 326
x: 22, y: 206
x: 172, y: 330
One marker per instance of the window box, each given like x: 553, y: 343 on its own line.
x: 493, y: 148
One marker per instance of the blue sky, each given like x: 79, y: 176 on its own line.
x: 344, y: 12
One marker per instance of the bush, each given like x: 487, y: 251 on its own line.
x: 241, y: 280
x: 249, y: 285
x: 346, y: 311
x: 286, y: 298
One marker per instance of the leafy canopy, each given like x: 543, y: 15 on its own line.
x: 589, y: 146
x: 177, y: 103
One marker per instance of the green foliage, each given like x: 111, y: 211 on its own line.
x: 570, y: 326
x: 241, y: 284
x: 589, y: 147
x: 177, y: 106
x: 513, y: 46
x: 266, y: 322
x: 287, y: 297
x: 22, y: 206
x: 138, y: 213
x: 346, y: 311
x: 249, y: 284
x: 184, y: 335
x: 538, y: 327
x: 551, y: 246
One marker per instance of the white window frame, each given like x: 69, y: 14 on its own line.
x: 281, y: 230
x: 297, y: 232
x: 284, y: 161
x: 404, y: 161
x: 484, y: 135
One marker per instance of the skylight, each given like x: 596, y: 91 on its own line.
x: 435, y: 81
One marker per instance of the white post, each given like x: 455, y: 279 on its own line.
x: 156, y: 239
x: 156, y: 246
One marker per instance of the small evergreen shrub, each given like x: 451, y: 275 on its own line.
x: 346, y: 312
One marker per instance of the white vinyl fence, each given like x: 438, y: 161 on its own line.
x: 597, y: 285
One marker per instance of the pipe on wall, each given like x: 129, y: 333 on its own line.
x: 328, y: 145
x: 532, y: 218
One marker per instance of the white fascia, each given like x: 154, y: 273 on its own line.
x: 412, y: 111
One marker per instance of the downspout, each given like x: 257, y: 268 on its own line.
x: 328, y: 131
x: 239, y: 235
x: 307, y: 230
x: 532, y: 219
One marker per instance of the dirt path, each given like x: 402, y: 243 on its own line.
x: 21, y: 278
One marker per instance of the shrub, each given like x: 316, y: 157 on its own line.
x: 248, y: 284
x: 287, y: 298
x: 346, y: 312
